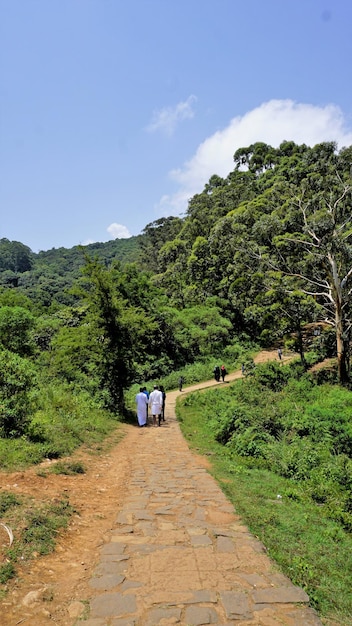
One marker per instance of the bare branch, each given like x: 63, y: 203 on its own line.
x: 303, y: 242
x: 345, y: 278
x: 308, y: 229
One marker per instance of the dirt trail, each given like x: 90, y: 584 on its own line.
x: 154, y: 541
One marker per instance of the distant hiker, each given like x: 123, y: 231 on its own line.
x: 243, y: 369
x: 217, y: 373
x: 279, y: 353
x: 163, y: 404
x: 223, y: 372
x: 142, y: 407
x: 180, y: 383
x: 156, y: 404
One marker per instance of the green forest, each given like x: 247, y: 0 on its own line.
x: 261, y: 259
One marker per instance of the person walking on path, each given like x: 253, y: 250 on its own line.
x: 223, y: 372
x: 156, y: 404
x: 163, y: 404
x: 279, y: 353
x: 142, y: 407
x: 217, y: 373
x: 180, y: 383
x: 146, y: 392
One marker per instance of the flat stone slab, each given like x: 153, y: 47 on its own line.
x: 113, y: 548
x: 124, y: 530
x: 283, y: 595
x: 197, y: 616
x: 163, y: 616
x: 204, y: 596
x: 308, y: 617
x: 107, y: 582
x: 114, y: 558
x: 142, y: 515
x: 225, y: 544
x: 113, y: 605
x: 110, y: 567
x: 201, y: 540
x: 254, y: 580
x: 236, y: 605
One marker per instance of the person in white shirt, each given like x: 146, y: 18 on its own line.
x: 156, y: 404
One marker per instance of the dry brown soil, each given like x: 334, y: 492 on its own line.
x: 47, y: 589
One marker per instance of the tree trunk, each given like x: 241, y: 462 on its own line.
x: 337, y: 295
x: 342, y: 355
x: 300, y: 345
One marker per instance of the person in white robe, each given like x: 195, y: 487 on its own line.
x: 142, y: 406
x: 156, y: 404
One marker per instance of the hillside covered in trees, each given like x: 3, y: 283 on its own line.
x: 258, y: 256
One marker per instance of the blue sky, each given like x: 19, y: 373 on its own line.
x: 113, y: 113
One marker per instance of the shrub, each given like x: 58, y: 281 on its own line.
x: 226, y: 425
x: 17, y: 379
x: 272, y: 375
x: 250, y: 442
x: 295, y: 459
x: 16, y: 323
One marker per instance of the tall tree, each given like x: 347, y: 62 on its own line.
x: 153, y: 238
x: 113, y: 333
x: 319, y: 253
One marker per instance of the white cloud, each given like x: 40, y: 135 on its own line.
x: 118, y: 231
x: 272, y: 122
x: 167, y: 119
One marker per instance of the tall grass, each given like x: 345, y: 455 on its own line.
x: 64, y: 420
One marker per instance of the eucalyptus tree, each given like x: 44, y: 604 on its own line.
x: 313, y: 243
x: 300, y: 226
x: 290, y: 310
x: 319, y: 254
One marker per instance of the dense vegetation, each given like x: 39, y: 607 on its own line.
x: 262, y: 258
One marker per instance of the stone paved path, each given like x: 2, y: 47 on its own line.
x: 179, y: 554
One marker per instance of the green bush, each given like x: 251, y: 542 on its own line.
x: 65, y: 419
x: 250, y: 442
x: 16, y: 323
x: 226, y: 424
x: 272, y: 375
x: 17, y: 380
x: 294, y: 459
